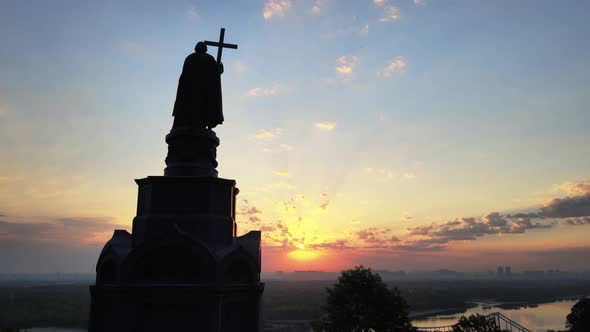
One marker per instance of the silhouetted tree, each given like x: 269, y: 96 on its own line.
x: 360, y: 301
x: 579, y: 318
x: 477, y: 323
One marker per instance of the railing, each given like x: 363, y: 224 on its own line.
x: 502, y: 322
x: 448, y: 328
x: 505, y: 323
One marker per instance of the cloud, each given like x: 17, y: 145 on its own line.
x: 265, y: 91
x: 192, y: 13
x: 420, y: 2
x: 282, y: 172
x: 575, y: 189
x: 240, y: 67
x: 578, y: 221
x: 70, y: 230
x: 267, y: 228
x: 379, y: 3
x: 365, y: 29
x: 324, y: 206
x: 467, y: 229
x: 275, y: 8
x: 285, y: 147
x: 571, y: 206
x: 390, y: 13
x: 268, y: 134
x: 384, y: 173
x: 346, y: 64
x: 325, y: 126
x: 397, y: 64
x: 317, y: 7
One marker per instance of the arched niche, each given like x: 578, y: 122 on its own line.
x: 174, y: 259
x: 239, y: 268
x: 107, y: 271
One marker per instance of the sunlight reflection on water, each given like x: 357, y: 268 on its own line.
x: 544, y: 317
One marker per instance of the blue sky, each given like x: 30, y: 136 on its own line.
x: 367, y: 114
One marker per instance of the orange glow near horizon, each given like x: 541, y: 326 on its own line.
x: 304, y: 255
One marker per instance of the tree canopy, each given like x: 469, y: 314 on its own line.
x: 360, y: 301
x: 475, y: 323
x: 579, y: 318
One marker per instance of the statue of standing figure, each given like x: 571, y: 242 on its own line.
x: 198, y: 98
x: 192, y: 144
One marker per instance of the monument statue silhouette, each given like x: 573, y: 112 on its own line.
x: 183, y: 267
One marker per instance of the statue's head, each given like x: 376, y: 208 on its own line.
x: 200, y: 48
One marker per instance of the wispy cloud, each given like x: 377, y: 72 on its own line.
x: 285, y: 147
x: 274, y: 8
x: 379, y: 2
x: 192, y: 13
x: 420, y: 2
x: 346, y: 64
x: 397, y: 64
x: 325, y: 126
x: 268, y: 134
x: 272, y: 90
x: 282, y: 172
x: 365, y: 29
x: 317, y: 7
x: 384, y: 173
x: 240, y: 67
x: 390, y: 13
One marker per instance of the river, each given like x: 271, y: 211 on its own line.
x: 545, y: 316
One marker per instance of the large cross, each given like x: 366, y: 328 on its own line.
x: 220, y: 45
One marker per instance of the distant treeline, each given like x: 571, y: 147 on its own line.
x: 68, y: 305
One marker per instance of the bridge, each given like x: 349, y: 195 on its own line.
x: 501, y: 322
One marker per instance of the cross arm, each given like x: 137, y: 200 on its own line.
x: 216, y: 44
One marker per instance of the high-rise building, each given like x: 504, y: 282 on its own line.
x: 500, y: 272
x: 508, y: 271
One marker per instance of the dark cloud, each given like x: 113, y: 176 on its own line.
x: 62, y: 229
x: 468, y: 229
x: 376, y: 237
x: 249, y: 210
x: 337, y: 244
x: 267, y: 228
x: 59, y: 245
x: 576, y: 206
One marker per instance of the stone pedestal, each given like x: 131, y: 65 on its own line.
x: 183, y: 268
x: 191, y: 152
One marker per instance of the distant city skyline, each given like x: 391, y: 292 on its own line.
x: 397, y: 134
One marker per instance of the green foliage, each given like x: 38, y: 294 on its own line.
x: 360, y: 301
x: 579, y: 318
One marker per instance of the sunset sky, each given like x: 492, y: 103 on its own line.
x: 399, y: 134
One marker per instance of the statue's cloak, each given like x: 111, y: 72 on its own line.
x: 198, y: 98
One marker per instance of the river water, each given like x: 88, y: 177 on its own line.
x: 539, y: 318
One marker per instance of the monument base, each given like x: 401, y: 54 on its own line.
x: 183, y: 268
